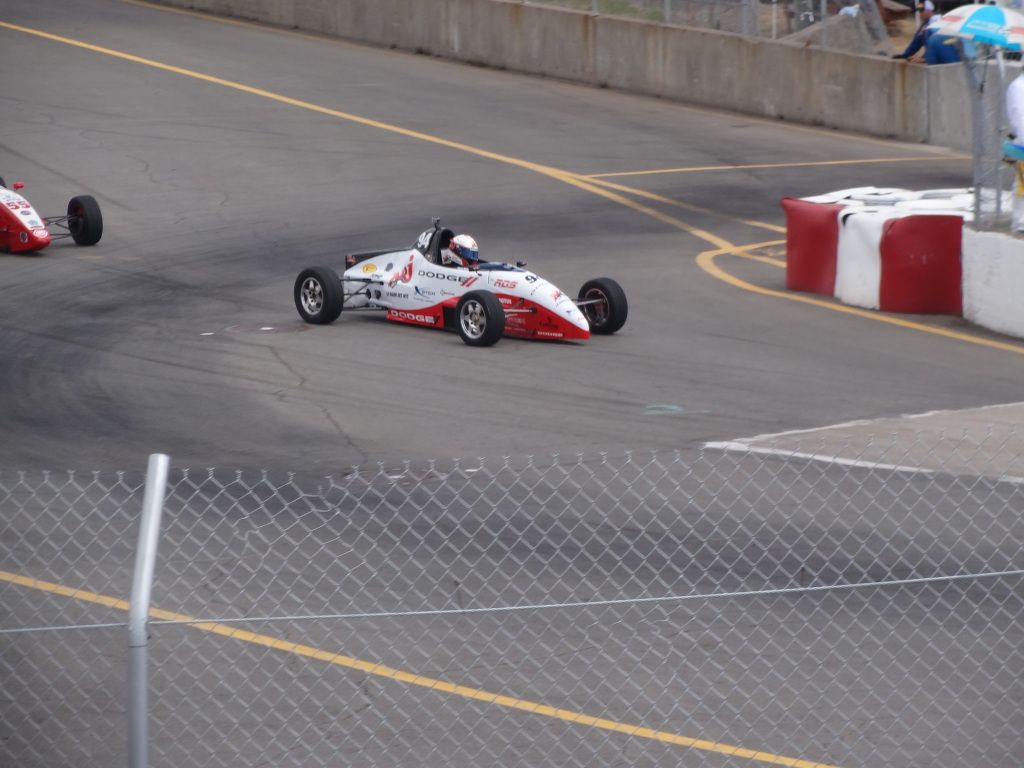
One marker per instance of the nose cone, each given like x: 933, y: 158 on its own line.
x: 576, y: 318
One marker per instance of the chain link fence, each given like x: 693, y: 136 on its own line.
x: 988, y: 72
x: 854, y: 25
x: 728, y: 607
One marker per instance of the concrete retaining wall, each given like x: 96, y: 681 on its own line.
x: 993, y: 275
x: 792, y: 82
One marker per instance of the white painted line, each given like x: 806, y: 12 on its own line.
x: 267, y: 328
x: 961, y: 410
x: 867, y: 422
x: 208, y: 333
x: 743, y: 447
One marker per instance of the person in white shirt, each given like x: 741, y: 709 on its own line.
x: 1015, y: 115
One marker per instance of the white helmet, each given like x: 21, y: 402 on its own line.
x: 462, y: 251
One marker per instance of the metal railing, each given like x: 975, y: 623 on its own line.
x: 772, y: 19
x: 724, y: 607
x: 988, y: 72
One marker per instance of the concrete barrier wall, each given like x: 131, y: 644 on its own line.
x: 993, y: 275
x: 760, y: 77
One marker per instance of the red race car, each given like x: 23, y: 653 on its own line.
x: 22, y: 229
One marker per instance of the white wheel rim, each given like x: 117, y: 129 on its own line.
x: 312, y: 296
x: 473, y: 319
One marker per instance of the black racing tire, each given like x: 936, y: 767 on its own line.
x: 318, y: 295
x: 85, y: 222
x: 2, y: 182
x: 480, y: 319
x: 608, y: 313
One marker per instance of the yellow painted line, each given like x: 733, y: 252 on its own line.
x: 555, y: 173
x: 767, y: 121
x: 706, y: 261
x: 577, y: 180
x: 760, y: 166
x: 433, y: 684
x: 679, y: 204
x: 742, y: 252
x: 605, y: 189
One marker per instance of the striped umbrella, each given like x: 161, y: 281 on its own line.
x: 989, y: 24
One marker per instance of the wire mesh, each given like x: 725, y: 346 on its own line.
x: 723, y: 608
x: 994, y: 178
x: 844, y: 24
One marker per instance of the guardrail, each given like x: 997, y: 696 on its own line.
x: 736, y: 606
x: 757, y: 18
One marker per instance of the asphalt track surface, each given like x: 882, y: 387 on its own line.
x: 226, y: 157
x: 214, y: 198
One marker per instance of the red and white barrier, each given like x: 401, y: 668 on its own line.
x: 993, y: 266
x: 921, y: 272
x: 858, y: 259
x: 812, y: 238
x: 890, y: 249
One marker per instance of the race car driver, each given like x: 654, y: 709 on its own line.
x: 462, y: 251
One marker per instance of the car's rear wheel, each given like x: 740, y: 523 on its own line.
x: 85, y: 222
x: 318, y: 295
x: 480, y: 318
x: 603, y: 302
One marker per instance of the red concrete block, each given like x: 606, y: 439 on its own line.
x: 812, y: 239
x: 921, y: 270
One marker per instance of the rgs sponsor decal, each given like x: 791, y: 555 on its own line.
x: 510, y: 284
x: 415, y: 317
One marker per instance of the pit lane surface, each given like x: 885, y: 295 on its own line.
x: 178, y: 334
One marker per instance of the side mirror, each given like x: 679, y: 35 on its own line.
x: 18, y: 185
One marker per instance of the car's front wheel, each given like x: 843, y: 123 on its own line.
x: 85, y: 222
x: 480, y: 318
x: 318, y: 295
x: 603, y: 302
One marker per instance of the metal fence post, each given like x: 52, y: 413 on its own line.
x: 142, y: 583
x: 824, y: 26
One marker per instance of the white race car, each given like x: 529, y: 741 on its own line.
x: 483, y: 304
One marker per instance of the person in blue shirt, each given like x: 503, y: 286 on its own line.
x: 938, y: 49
